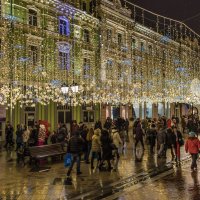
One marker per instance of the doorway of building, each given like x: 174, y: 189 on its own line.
x: 29, y: 116
x: 115, y: 112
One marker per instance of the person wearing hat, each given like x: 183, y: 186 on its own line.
x: 192, y: 146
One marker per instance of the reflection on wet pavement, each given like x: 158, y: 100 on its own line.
x: 17, y: 182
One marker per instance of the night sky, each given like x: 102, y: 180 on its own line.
x: 176, y: 9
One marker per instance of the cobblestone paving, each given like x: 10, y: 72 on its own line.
x: 17, y: 182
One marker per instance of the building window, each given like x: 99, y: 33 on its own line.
x: 119, y: 39
x: 86, y: 35
x: 64, y: 114
x: 119, y: 72
x: 88, y: 113
x: 84, y: 6
x: 86, y: 68
x: 133, y: 43
x: 34, y: 55
x: 1, y: 48
x: 63, y: 60
x: 88, y: 116
x: 150, y: 49
x: 0, y: 7
x: 109, y: 65
x: 142, y: 46
x: 63, y: 55
x: 64, y: 27
x: 92, y: 6
x: 33, y: 17
x: 164, y: 56
x: 109, y: 34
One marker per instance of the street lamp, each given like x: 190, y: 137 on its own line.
x: 68, y: 91
x: 64, y: 89
x: 74, y: 87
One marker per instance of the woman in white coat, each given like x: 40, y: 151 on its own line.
x: 117, y: 142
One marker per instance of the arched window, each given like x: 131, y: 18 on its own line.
x: 64, y: 26
x: 64, y: 55
x: 33, y: 17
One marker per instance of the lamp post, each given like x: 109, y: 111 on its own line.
x: 68, y: 91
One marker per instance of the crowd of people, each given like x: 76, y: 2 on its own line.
x: 101, y: 145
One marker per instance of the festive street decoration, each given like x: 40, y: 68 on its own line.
x: 129, y: 56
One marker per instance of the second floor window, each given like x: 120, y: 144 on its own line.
x: 86, y: 68
x: 34, y: 55
x: 142, y: 46
x: 64, y: 28
x: 109, y: 34
x: 33, y: 17
x: 1, y: 53
x: 119, y: 39
x: 63, y: 60
x: 86, y: 36
x: 150, y: 49
x: 133, y: 43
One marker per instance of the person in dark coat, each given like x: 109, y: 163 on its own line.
x: 84, y: 133
x: 33, y: 139
x: 139, y: 133
x: 152, y: 134
x: 108, y: 124
x: 19, y: 137
x: 75, y: 146
x: 170, y: 141
x: 9, y: 136
x: 53, y: 137
x: 74, y: 126
x: 135, y: 123
x: 98, y: 125
x: 161, y: 139
x: 177, y: 143
x: 62, y: 134
x: 106, y: 143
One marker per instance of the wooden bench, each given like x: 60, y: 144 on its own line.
x: 39, y: 152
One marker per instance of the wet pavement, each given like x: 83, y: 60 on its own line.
x: 139, y: 177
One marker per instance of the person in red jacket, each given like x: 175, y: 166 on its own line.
x: 192, y: 146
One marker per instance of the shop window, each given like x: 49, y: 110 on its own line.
x: 64, y: 26
x: 88, y: 116
x: 64, y: 114
x: 33, y: 17
x: 86, y: 36
x: 34, y: 55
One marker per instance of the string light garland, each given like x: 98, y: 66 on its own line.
x: 124, y: 61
